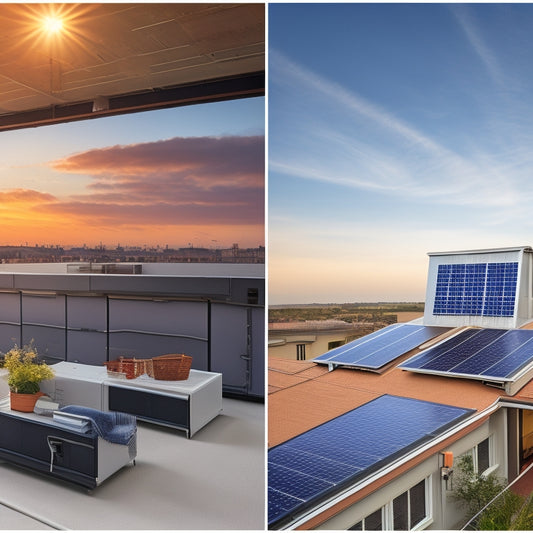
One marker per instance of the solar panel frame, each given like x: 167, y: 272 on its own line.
x: 349, y: 448
x: 357, y: 342
x: 497, y: 355
x: 381, y: 347
x: 476, y: 289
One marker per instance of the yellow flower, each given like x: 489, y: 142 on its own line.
x: 25, y: 372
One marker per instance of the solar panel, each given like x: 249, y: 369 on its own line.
x: 381, y: 347
x: 477, y: 289
x: 496, y: 354
x: 313, y: 465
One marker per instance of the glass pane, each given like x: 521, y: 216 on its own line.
x: 10, y: 307
x: 400, y: 512
x: 483, y: 456
x: 356, y: 527
x: 87, y: 347
x: 89, y: 312
x: 373, y: 522
x: 45, y: 310
x: 184, y: 318
x: 49, y: 341
x: 418, y: 503
x: 527, y: 428
x: 141, y: 346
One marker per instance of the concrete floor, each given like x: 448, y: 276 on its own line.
x: 214, y: 481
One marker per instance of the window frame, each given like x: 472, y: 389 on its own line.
x: 474, y: 453
x: 301, y: 354
x: 387, y: 510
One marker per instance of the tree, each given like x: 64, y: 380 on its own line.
x: 507, y: 511
x: 473, y: 490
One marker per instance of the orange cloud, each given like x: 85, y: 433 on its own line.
x: 208, y: 161
x: 175, y: 188
x: 24, y: 196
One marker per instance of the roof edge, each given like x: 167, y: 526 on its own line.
x: 484, y: 251
x: 324, y: 506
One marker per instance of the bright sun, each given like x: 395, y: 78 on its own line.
x: 52, y: 24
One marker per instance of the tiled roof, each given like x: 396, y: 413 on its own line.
x: 314, y: 396
x: 304, y: 395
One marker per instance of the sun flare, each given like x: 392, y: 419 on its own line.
x: 52, y: 24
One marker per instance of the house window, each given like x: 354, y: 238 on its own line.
x: 481, y: 456
x: 409, y: 508
x: 407, y: 511
x: 300, y: 352
x: 372, y: 522
x: 334, y: 344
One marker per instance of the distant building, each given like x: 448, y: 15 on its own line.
x: 367, y: 436
x: 155, y: 254
x: 306, y: 340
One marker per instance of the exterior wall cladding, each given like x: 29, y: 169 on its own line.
x: 91, y: 318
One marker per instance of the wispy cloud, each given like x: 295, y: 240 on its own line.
x: 25, y: 197
x: 349, y: 99
x: 479, y: 44
x: 373, y: 149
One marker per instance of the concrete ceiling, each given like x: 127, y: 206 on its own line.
x: 120, y: 58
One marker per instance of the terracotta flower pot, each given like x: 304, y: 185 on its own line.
x: 24, y: 402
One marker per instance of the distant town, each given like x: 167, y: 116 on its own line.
x: 156, y: 254
x: 379, y: 313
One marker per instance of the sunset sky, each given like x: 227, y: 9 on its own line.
x: 394, y: 130
x: 185, y: 176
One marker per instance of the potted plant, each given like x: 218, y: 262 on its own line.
x: 25, y: 373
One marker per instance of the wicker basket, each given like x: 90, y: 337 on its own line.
x: 131, y: 368
x: 171, y: 367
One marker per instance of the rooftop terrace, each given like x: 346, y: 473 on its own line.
x: 214, y: 481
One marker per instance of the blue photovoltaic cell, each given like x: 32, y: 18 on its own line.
x: 381, y: 347
x: 329, y: 457
x: 477, y: 289
x: 478, y: 353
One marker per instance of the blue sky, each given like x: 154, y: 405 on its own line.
x: 394, y: 130
x: 179, y: 176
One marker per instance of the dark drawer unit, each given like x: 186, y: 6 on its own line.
x: 152, y: 406
x: 47, y: 446
x: 54, y: 451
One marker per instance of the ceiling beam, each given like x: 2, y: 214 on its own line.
x: 245, y: 86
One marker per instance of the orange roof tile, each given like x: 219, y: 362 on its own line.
x: 283, y: 381
x: 297, y: 409
x: 289, y: 366
x: 293, y: 410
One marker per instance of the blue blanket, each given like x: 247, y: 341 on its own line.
x: 115, y: 427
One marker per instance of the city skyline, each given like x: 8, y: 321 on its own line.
x: 395, y: 130
x: 184, y: 176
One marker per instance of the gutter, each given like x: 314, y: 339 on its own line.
x: 517, y: 404
x: 321, y: 508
